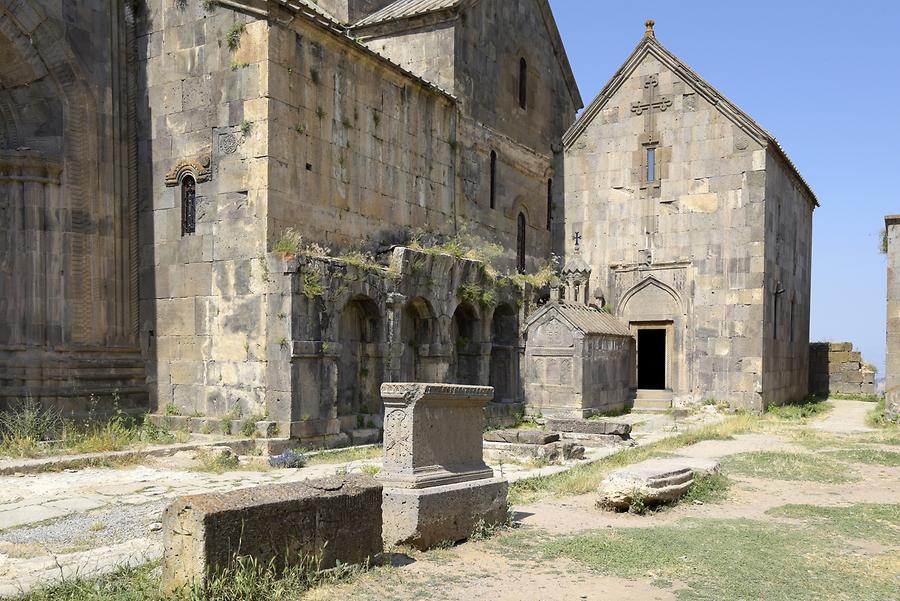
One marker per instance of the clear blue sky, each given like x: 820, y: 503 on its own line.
x: 820, y: 77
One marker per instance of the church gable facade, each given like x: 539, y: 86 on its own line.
x: 698, y: 232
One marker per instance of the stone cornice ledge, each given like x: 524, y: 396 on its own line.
x: 408, y: 393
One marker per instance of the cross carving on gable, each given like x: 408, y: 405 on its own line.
x: 650, y: 102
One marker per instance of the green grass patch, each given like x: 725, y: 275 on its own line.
x: 585, y: 478
x: 869, y: 455
x: 777, y: 465
x: 871, y: 522
x: 732, y: 559
x: 708, y: 489
x: 869, y: 398
x: 802, y: 410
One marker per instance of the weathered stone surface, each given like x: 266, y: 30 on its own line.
x: 578, y: 359
x: 431, y: 516
x: 437, y: 486
x: 533, y: 437
x: 892, y: 363
x: 654, y: 481
x: 597, y: 440
x: 282, y: 522
x: 590, y: 426
x: 694, y: 247
x: 432, y: 434
x: 552, y: 452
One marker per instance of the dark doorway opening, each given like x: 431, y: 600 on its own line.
x: 651, y: 353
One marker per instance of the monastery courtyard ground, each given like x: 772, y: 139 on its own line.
x: 808, y: 509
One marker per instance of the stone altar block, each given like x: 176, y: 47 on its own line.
x: 436, y: 484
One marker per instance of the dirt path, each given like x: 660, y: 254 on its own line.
x: 847, y: 417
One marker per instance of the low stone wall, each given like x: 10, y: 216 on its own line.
x: 835, y: 368
x: 325, y: 521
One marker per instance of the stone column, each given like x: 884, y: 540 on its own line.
x: 437, y: 487
x: 892, y: 372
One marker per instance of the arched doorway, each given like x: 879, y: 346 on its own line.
x: 504, y: 363
x: 359, y: 369
x: 417, y: 333
x: 465, y: 336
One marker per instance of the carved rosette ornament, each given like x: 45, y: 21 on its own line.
x: 198, y: 168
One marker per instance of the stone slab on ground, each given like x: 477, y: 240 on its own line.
x: 596, y: 440
x: 424, y: 518
x: 287, y: 523
x: 552, y: 452
x: 654, y: 481
x: 589, y: 426
x: 537, y: 437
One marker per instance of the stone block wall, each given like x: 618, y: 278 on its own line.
x: 788, y: 256
x: 689, y: 251
x: 835, y: 368
x: 892, y: 373
x: 68, y: 206
x: 699, y: 246
x: 204, y: 119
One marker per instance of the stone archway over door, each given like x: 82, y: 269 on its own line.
x: 465, y: 332
x: 655, y: 314
x: 359, y: 372
x: 504, y: 353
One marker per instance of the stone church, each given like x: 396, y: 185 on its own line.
x: 154, y: 154
x: 698, y: 232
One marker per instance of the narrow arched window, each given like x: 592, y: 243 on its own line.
x: 520, y: 244
x: 523, y: 83
x: 549, y: 203
x: 493, y: 179
x: 188, y: 205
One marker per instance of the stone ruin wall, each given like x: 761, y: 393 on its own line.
x: 892, y: 374
x: 835, y: 368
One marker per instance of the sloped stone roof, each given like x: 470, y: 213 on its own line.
x: 403, y: 9
x: 582, y: 317
x: 649, y: 45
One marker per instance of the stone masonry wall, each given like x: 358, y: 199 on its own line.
x: 688, y: 249
x: 892, y: 375
x: 68, y: 206
x: 835, y: 368
x: 205, y: 117
x: 788, y: 252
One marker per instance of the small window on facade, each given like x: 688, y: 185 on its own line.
x: 520, y: 244
x: 188, y: 205
x: 651, y: 163
x: 549, y: 203
x: 523, y: 83
x: 493, y: 179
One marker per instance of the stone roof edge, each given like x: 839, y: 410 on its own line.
x: 326, y: 23
x: 891, y: 219
x: 549, y: 22
x: 550, y: 306
x: 650, y: 45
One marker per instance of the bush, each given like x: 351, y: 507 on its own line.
x: 28, y: 419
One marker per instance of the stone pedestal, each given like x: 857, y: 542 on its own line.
x: 436, y: 484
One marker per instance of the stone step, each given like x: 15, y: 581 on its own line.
x: 652, y: 401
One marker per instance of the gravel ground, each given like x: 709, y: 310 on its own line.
x: 84, y: 531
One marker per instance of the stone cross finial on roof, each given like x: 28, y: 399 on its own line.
x: 650, y: 23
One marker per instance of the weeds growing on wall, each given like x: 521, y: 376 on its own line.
x: 233, y: 36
